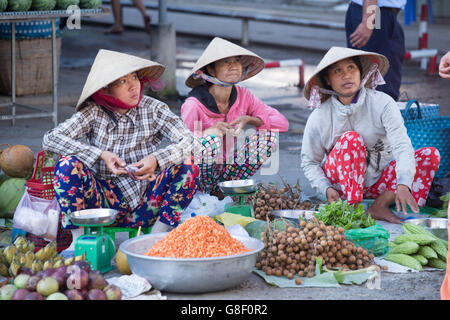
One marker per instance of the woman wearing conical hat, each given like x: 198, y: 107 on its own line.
x: 218, y: 110
x: 110, y: 148
x: 355, y: 144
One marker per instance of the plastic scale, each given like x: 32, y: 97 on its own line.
x: 241, y: 208
x: 241, y: 189
x: 98, y: 246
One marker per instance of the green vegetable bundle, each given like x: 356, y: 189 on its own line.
x: 342, y: 214
x: 417, y: 247
x: 442, y: 213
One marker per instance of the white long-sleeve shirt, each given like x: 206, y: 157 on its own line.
x: 377, y: 118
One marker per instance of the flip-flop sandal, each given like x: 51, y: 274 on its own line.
x: 113, y: 32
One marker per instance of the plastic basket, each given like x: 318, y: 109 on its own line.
x: 431, y: 132
x: 41, y: 185
x: 409, y: 110
x: 41, y: 182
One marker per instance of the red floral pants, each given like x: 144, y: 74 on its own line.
x: 345, y: 166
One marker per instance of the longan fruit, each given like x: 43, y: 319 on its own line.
x: 298, y: 281
x: 309, y: 226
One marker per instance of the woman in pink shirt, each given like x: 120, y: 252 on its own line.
x: 217, y: 110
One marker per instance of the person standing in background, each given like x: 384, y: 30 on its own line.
x: 117, y: 28
x: 383, y: 35
x: 444, y: 66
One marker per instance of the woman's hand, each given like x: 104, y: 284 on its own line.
x: 444, y: 66
x: 240, y: 123
x: 113, y: 162
x: 332, y: 195
x: 402, y: 197
x: 219, y: 129
x: 147, y: 167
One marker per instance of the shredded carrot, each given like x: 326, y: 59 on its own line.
x: 197, y: 237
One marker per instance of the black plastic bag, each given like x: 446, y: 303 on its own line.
x: 439, y: 188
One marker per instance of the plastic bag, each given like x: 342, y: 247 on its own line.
x: 238, y: 230
x: 374, y: 238
x: 204, y: 204
x: 37, y: 216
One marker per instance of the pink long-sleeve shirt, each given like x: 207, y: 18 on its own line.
x: 246, y: 103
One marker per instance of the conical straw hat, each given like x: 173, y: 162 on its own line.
x: 109, y: 66
x: 218, y: 49
x: 336, y: 54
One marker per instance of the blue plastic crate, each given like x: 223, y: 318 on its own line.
x: 30, y: 29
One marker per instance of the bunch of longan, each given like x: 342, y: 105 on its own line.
x: 270, y: 198
x: 294, y: 251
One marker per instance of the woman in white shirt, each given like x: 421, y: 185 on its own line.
x: 355, y: 144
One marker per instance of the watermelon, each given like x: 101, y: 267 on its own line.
x: 64, y: 4
x: 255, y: 228
x: 12, y: 191
x: 19, y: 5
x: 43, y: 5
x: 90, y: 4
x: 3, y: 5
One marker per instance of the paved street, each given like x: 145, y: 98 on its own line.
x: 276, y: 87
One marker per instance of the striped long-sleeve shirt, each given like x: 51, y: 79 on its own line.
x: 132, y: 136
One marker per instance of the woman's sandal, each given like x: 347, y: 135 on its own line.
x: 113, y: 30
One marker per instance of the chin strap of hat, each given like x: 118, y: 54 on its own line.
x: 315, y: 96
x: 199, y: 74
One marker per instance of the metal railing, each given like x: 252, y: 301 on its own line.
x: 245, y: 17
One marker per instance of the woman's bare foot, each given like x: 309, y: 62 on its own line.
x: 383, y: 213
x: 379, y: 210
x: 114, y: 30
x: 147, y: 20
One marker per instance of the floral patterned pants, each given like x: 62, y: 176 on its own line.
x: 346, y: 167
x: 166, y: 197
x: 243, y: 163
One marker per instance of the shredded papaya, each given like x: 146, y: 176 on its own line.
x: 197, y: 237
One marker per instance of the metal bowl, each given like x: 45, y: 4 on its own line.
x: 190, y: 275
x: 294, y: 215
x: 437, y: 226
x: 93, y: 216
x: 238, y: 186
